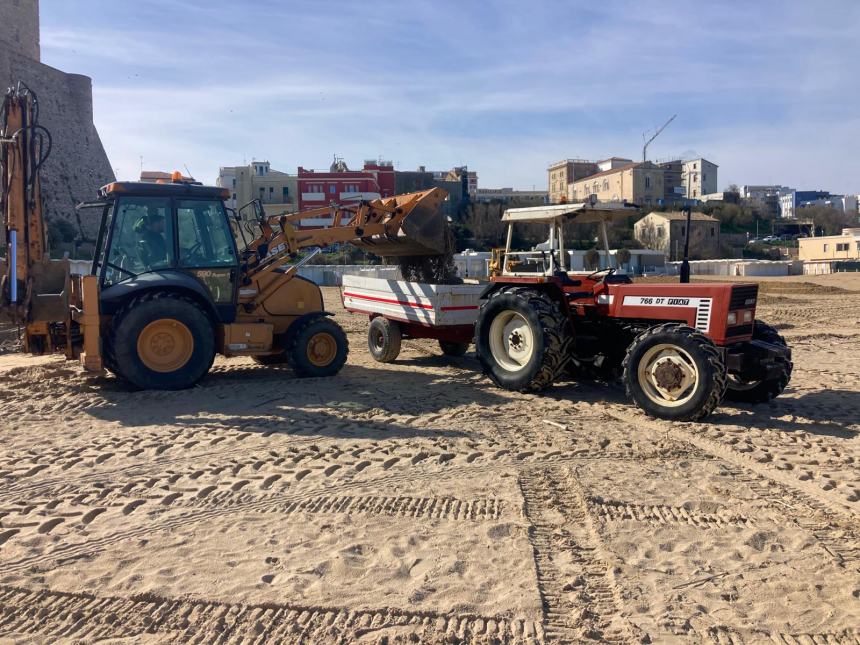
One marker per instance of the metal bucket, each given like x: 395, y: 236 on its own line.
x: 424, y: 230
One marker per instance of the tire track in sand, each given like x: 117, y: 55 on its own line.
x: 80, y: 616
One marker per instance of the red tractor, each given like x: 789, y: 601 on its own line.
x: 679, y: 348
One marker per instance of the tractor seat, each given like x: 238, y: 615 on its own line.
x: 566, y: 280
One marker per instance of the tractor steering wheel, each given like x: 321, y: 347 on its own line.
x: 608, y: 273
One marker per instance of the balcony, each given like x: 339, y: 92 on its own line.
x: 313, y: 197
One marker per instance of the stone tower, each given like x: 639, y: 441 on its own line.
x: 78, y: 165
x: 19, y: 27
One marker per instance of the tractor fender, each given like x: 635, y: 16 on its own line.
x: 113, y: 298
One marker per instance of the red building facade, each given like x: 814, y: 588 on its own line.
x: 341, y: 185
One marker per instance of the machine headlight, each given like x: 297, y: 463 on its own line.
x: 732, y: 319
x: 747, y: 316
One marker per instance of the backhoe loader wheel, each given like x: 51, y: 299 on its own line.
x: 522, y: 339
x: 383, y: 339
x: 162, y: 341
x: 764, y: 390
x: 450, y: 348
x: 675, y: 372
x: 317, y: 347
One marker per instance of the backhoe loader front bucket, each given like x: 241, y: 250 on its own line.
x: 423, y: 230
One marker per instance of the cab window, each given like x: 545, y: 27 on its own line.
x: 142, y: 238
x: 205, y: 238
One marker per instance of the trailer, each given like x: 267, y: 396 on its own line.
x: 399, y: 309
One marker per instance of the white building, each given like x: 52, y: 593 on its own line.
x: 699, y: 178
x: 227, y: 179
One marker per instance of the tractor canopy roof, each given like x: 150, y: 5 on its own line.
x: 577, y: 213
x: 172, y: 189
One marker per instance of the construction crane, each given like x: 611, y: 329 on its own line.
x: 179, y: 277
x: 655, y: 135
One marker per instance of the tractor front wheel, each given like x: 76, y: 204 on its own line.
x: 675, y: 372
x: 767, y: 389
x: 161, y: 341
x: 522, y: 339
x: 317, y: 347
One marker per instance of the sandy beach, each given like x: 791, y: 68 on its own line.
x: 415, y: 502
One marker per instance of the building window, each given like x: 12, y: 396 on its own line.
x: 234, y: 197
x: 842, y: 247
x: 713, y: 232
x: 647, y: 181
x: 271, y: 190
x: 825, y: 247
x: 315, y: 188
x: 659, y: 231
x: 285, y: 193
x: 332, y: 189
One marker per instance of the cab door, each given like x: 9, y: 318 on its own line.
x: 206, y: 249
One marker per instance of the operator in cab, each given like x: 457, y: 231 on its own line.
x: 151, y: 247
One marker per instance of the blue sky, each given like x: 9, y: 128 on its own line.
x: 768, y: 90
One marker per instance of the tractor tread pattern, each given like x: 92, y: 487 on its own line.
x: 556, y: 332
x: 770, y: 389
x: 713, y: 354
x: 296, y: 334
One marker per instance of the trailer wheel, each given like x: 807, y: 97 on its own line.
x: 451, y: 348
x: 383, y: 339
x: 674, y: 372
x: 161, y: 341
x: 317, y: 347
x: 765, y: 390
x: 522, y: 339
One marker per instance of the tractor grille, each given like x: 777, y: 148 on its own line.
x: 743, y: 297
x: 739, y: 330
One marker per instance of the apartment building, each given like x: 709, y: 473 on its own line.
x: 565, y: 172
x: 699, y: 178
x: 831, y: 247
x: 340, y: 184
x: 637, y: 183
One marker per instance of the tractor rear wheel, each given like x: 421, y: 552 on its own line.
x: 317, y: 347
x: 765, y: 390
x: 522, y: 339
x: 161, y: 341
x: 383, y: 339
x: 675, y: 372
x: 452, y: 348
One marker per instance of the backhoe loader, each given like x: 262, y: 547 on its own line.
x: 178, y: 277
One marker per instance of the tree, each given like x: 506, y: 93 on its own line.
x: 650, y: 238
x: 830, y: 220
x: 592, y: 259
x: 623, y: 257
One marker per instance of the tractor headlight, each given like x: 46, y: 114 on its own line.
x: 732, y: 319
x: 747, y: 316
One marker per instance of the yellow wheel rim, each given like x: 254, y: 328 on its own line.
x: 165, y: 345
x: 322, y: 349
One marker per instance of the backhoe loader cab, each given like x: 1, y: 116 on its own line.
x: 173, y: 291
x: 678, y: 347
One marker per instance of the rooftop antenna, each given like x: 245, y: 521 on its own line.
x: 656, y: 134
x: 190, y: 176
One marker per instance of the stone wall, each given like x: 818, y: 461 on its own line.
x: 78, y: 164
x: 19, y: 27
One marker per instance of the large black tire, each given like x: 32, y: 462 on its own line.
x: 762, y: 391
x: 383, y: 339
x: 161, y: 341
x: 450, y: 348
x: 662, y: 347
x: 541, y: 342
x: 317, y: 347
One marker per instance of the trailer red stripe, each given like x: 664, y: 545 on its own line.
x: 464, y: 307
x: 389, y: 300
